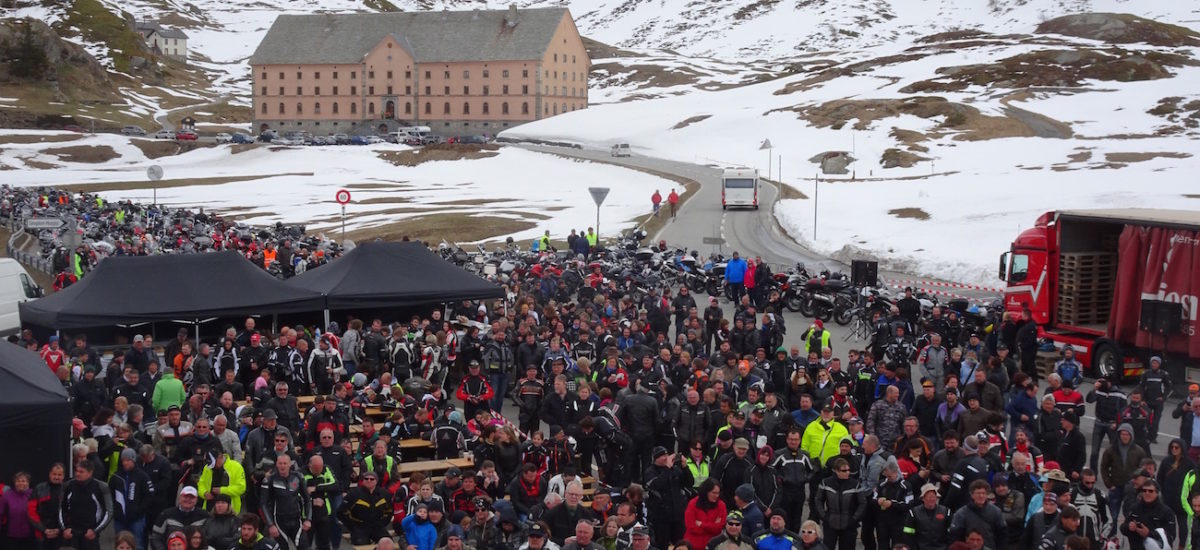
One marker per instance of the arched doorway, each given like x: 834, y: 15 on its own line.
x: 389, y: 110
x: 383, y: 128
x: 263, y: 127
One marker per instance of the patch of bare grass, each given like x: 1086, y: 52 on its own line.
x: 26, y: 139
x: 384, y: 200
x: 84, y: 153
x: 441, y: 151
x: 645, y: 75
x: 963, y: 121
x: 1142, y: 157
x: 896, y: 158
x: 909, y: 213
x: 39, y: 165
x: 690, y: 121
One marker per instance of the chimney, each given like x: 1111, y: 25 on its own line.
x: 511, y: 19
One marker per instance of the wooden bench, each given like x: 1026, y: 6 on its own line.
x: 437, y: 467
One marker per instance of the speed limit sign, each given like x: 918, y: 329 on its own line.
x: 342, y: 196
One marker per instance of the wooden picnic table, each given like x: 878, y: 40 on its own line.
x: 438, y: 466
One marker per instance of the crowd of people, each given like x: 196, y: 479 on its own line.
x: 719, y: 431
x: 128, y: 228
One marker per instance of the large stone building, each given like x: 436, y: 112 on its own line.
x: 459, y: 72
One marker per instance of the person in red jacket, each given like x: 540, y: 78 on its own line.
x: 656, y: 200
x: 474, y: 391
x: 704, y: 517
x: 673, y: 200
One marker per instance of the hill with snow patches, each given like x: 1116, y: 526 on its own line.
x: 957, y: 121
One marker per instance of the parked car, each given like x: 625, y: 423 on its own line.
x: 374, y: 139
x: 341, y: 139
x: 320, y: 140
x: 267, y: 136
x: 164, y: 134
x: 476, y: 140
x: 621, y: 150
x: 223, y: 137
x: 186, y: 135
x: 133, y: 131
x: 432, y: 140
x: 414, y: 141
x: 241, y: 138
x: 358, y: 140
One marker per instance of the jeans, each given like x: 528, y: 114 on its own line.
x: 137, y: 527
x: 738, y: 290
x: 335, y: 529
x: 499, y: 383
x: 1115, y: 496
x: 1099, y: 431
x: 350, y: 370
x: 1158, y: 410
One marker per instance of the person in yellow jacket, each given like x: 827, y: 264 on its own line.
x: 823, y: 437
x: 222, y: 476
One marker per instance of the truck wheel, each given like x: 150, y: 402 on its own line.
x: 1107, y: 363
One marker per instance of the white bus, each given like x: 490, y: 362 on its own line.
x: 739, y: 187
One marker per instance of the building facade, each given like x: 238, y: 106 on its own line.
x: 164, y: 41
x: 464, y: 72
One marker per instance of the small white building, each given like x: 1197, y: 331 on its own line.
x: 162, y: 40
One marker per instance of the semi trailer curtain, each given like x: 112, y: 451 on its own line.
x: 1163, y: 264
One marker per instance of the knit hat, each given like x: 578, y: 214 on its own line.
x: 454, y: 531
x: 1125, y: 427
x: 177, y: 536
x: 128, y: 454
x: 745, y: 492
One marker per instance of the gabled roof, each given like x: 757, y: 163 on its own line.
x: 167, y: 32
x: 446, y: 36
x: 154, y: 27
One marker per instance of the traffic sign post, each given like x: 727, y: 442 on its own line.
x: 155, y: 173
x: 598, y: 195
x: 343, y: 197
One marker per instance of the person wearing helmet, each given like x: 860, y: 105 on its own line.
x: 474, y: 390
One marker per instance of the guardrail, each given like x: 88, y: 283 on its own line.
x: 26, y: 257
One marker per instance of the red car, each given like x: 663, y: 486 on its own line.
x: 186, y: 135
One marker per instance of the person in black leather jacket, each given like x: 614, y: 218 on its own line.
x: 840, y: 506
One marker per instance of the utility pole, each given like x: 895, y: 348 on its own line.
x: 816, y: 199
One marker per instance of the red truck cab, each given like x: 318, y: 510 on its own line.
x: 1084, y: 275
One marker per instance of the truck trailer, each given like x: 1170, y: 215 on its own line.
x: 1100, y: 281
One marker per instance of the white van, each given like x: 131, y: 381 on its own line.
x: 621, y: 150
x: 16, y: 286
x: 739, y: 187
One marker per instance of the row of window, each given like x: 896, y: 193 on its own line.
x: 408, y: 74
x: 564, y: 58
x: 575, y: 92
x: 466, y: 108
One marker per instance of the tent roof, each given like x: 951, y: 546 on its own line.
x: 396, y: 274
x: 26, y: 381
x: 129, y: 289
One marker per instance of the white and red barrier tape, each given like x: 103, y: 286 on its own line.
x: 899, y: 286
x: 918, y: 282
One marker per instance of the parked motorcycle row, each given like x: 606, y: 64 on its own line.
x: 637, y: 268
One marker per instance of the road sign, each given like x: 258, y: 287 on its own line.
x: 713, y: 240
x: 598, y: 194
x: 342, y: 197
x: 155, y: 172
x: 43, y: 223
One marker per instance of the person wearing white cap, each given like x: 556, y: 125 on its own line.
x: 928, y: 524
x: 185, y: 513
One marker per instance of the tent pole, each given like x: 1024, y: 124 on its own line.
x: 326, y: 325
x: 197, y: 324
x: 274, y: 323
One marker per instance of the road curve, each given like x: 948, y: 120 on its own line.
x: 750, y: 232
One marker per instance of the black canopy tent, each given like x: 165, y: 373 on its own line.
x: 392, y: 275
x: 35, y: 415
x: 190, y: 287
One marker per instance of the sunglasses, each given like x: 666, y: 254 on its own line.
x: 807, y: 532
x: 737, y: 523
x: 1149, y: 491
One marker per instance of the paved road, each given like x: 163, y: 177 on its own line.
x: 750, y: 232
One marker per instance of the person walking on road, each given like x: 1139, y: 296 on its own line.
x: 673, y: 200
x: 656, y: 200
